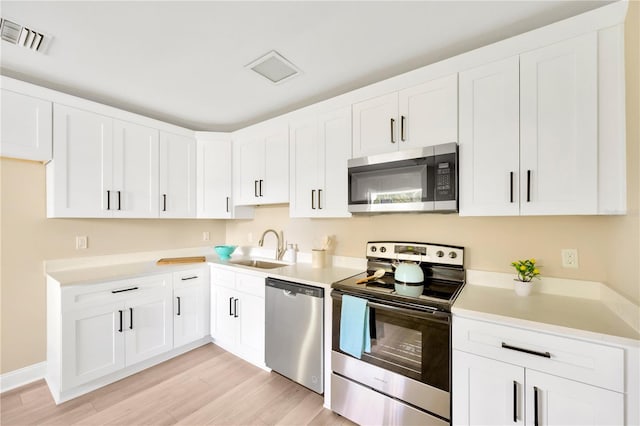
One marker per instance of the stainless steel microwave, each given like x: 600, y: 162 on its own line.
x: 416, y: 180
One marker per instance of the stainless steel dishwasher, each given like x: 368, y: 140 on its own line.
x: 293, y: 340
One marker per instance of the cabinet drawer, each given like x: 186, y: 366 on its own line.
x: 586, y: 362
x: 88, y: 295
x: 250, y: 284
x: 223, y: 277
x: 188, y: 278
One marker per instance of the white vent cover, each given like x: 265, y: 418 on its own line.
x: 274, y: 67
x: 22, y: 36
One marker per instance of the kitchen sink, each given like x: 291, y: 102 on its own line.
x: 262, y: 264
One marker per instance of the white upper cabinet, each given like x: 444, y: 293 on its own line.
x: 75, y: 184
x: 559, y: 128
x: 214, y: 196
x: 422, y: 115
x: 261, y: 166
x: 26, y: 126
x: 134, y: 183
x: 489, y: 147
x: 538, y: 133
x: 319, y: 148
x: 177, y: 195
x: 102, y: 167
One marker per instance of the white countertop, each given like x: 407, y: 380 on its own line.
x: 580, y: 317
x: 299, y: 272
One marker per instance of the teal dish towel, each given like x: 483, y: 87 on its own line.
x: 354, y: 326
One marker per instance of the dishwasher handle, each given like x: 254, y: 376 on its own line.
x: 292, y: 289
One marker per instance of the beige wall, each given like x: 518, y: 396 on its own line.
x: 609, y: 247
x: 29, y: 238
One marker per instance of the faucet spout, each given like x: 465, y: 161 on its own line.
x: 280, y: 249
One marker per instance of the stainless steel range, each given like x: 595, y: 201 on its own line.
x: 405, y: 377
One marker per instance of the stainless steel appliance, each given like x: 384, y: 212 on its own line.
x: 417, y: 180
x: 294, y: 319
x: 406, y: 377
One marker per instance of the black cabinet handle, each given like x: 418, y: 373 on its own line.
x: 402, y: 127
x: 255, y: 188
x: 227, y: 204
x: 121, y: 312
x: 515, y: 401
x: 235, y: 308
x: 528, y: 186
x: 511, y: 186
x: 119, y: 200
x: 319, y: 198
x: 130, y: 318
x: 393, y: 125
x: 231, y: 306
x: 260, y: 186
x: 108, y: 200
x: 123, y: 290
x: 535, y: 406
x: 164, y: 202
x: 178, y: 305
x: 527, y: 351
x: 313, y: 199
x: 189, y: 278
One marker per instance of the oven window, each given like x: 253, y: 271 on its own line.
x: 413, y: 347
x: 398, y: 182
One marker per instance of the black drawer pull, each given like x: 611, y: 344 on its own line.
x: 189, y: 278
x: 527, y: 351
x: 123, y: 290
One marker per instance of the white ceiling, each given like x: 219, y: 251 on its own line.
x: 183, y: 62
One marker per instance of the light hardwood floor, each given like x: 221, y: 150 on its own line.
x: 205, y: 386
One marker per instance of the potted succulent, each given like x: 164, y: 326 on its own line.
x: 527, y: 271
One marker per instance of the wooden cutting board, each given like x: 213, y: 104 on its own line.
x: 175, y: 260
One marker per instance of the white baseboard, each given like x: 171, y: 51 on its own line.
x: 23, y: 376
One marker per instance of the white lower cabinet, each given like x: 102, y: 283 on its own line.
x: 237, y: 313
x: 190, y: 306
x: 504, y: 375
x: 100, y: 332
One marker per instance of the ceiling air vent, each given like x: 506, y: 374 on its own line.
x: 274, y: 67
x: 22, y: 36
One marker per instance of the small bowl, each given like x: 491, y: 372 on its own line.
x: 224, y: 252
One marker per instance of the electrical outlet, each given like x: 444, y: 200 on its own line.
x: 569, y: 258
x: 206, y: 236
x: 81, y: 242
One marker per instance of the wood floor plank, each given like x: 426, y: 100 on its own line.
x: 205, y: 386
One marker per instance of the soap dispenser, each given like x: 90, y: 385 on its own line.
x: 291, y: 254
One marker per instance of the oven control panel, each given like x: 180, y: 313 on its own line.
x: 417, y: 252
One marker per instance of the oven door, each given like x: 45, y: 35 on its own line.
x: 409, y: 342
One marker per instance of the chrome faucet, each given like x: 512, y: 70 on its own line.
x: 280, y: 250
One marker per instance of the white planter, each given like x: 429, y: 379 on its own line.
x: 522, y: 288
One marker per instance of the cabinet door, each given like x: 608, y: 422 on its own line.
x: 214, y: 179
x: 486, y: 392
x: 251, y: 332
x: 275, y: 188
x: 305, y: 165
x: 250, y: 165
x: 190, y: 307
x: 26, y: 127
x: 135, y: 170
x: 226, y: 324
x: 177, y: 176
x: 559, y: 124
x: 82, y: 150
x: 149, y: 325
x: 489, y: 146
x: 335, y: 141
x: 375, y: 126
x: 92, y: 344
x: 429, y: 113
x: 552, y: 400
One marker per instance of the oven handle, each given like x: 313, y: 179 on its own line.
x: 432, y: 315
